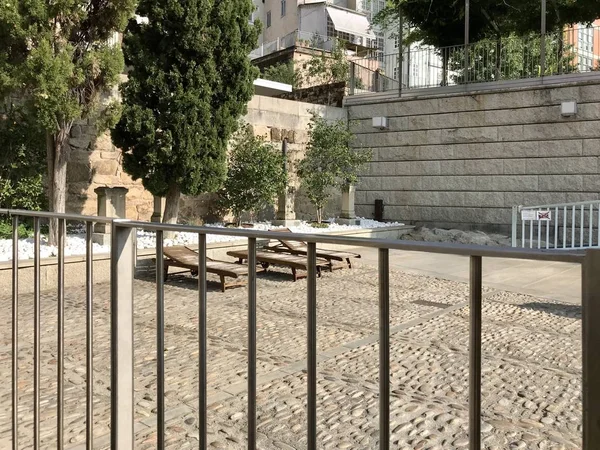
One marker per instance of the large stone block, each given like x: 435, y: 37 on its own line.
x: 78, y: 172
x: 557, y: 166
x: 591, y: 147
x: 449, y: 183
x: 401, y: 183
x: 382, y: 168
x: 561, y: 183
x: 483, y: 167
x: 424, y: 168
x: 105, y: 167
x: 515, y: 166
x: 507, y: 183
x: 484, y: 199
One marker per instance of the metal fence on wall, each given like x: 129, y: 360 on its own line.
x: 122, y: 334
x: 574, y: 50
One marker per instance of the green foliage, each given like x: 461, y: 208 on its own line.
x: 6, y: 231
x: 320, y: 225
x: 256, y: 174
x: 284, y: 73
x: 57, y: 57
x: 329, y: 161
x: 329, y: 67
x: 441, y: 23
x: 190, y: 81
x: 21, y: 162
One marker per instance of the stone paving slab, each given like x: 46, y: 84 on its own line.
x: 531, y: 374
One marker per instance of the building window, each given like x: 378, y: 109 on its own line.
x: 396, y: 41
x: 395, y: 72
x: 268, y: 19
x: 283, y: 8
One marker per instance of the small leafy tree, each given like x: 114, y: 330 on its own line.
x: 327, y: 67
x: 329, y: 161
x: 256, y: 174
x: 189, y: 83
x: 57, y: 58
x: 284, y: 73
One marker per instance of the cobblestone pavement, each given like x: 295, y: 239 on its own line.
x: 531, y: 374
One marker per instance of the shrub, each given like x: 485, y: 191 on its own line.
x: 329, y: 161
x: 255, y: 174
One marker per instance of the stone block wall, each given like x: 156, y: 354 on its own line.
x: 95, y: 162
x: 463, y: 160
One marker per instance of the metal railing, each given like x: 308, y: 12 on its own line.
x: 295, y: 38
x: 574, y: 50
x: 122, y: 342
x: 557, y: 226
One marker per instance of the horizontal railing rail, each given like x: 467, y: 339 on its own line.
x: 122, y: 337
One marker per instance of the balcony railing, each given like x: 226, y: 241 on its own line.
x: 295, y: 38
x: 575, y: 50
x: 122, y: 334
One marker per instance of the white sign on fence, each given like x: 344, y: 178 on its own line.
x: 529, y: 214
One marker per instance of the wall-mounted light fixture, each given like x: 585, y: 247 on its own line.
x: 568, y: 108
x: 380, y: 123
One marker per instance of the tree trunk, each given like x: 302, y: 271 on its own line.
x: 171, y: 207
x: 57, y: 156
x: 319, y: 214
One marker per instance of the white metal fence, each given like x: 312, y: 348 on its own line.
x: 557, y: 226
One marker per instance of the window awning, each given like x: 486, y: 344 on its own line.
x: 350, y: 22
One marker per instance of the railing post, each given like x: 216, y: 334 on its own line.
x: 591, y: 349
x: 515, y: 219
x: 121, y: 382
x: 475, y: 354
x: 543, y: 40
x: 400, y: 50
x: 384, y: 349
x: 352, y: 77
x: 467, y: 14
x: 312, y: 346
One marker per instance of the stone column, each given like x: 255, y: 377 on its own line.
x: 286, y: 214
x: 159, y: 207
x: 111, y: 203
x: 348, y: 216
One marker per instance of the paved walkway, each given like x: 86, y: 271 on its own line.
x: 531, y: 374
x: 553, y: 280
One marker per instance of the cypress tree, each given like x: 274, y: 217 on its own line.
x: 189, y: 82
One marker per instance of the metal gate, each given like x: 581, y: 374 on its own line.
x: 557, y: 226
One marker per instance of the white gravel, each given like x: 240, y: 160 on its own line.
x: 75, y: 243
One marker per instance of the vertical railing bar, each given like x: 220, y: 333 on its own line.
x: 36, y: 333
x: 581, y: 226
x: 573, y: 229
x: 556, y: 228
x: 539, y: 233
x: 565, y: 228
x: 522, y: 233
x: 547, y: 234
x: 89, y: 339
x: 160, y: 341
x: 590, y: 389
x: 15, y: 333
x: 590, y: 238
x: 202, y: 339
x: 312, y: 346
x: 251, y: 343
x: 531, y: 234
x: 61, y: 335
x: 475, y: 353
x: 384, y: 349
